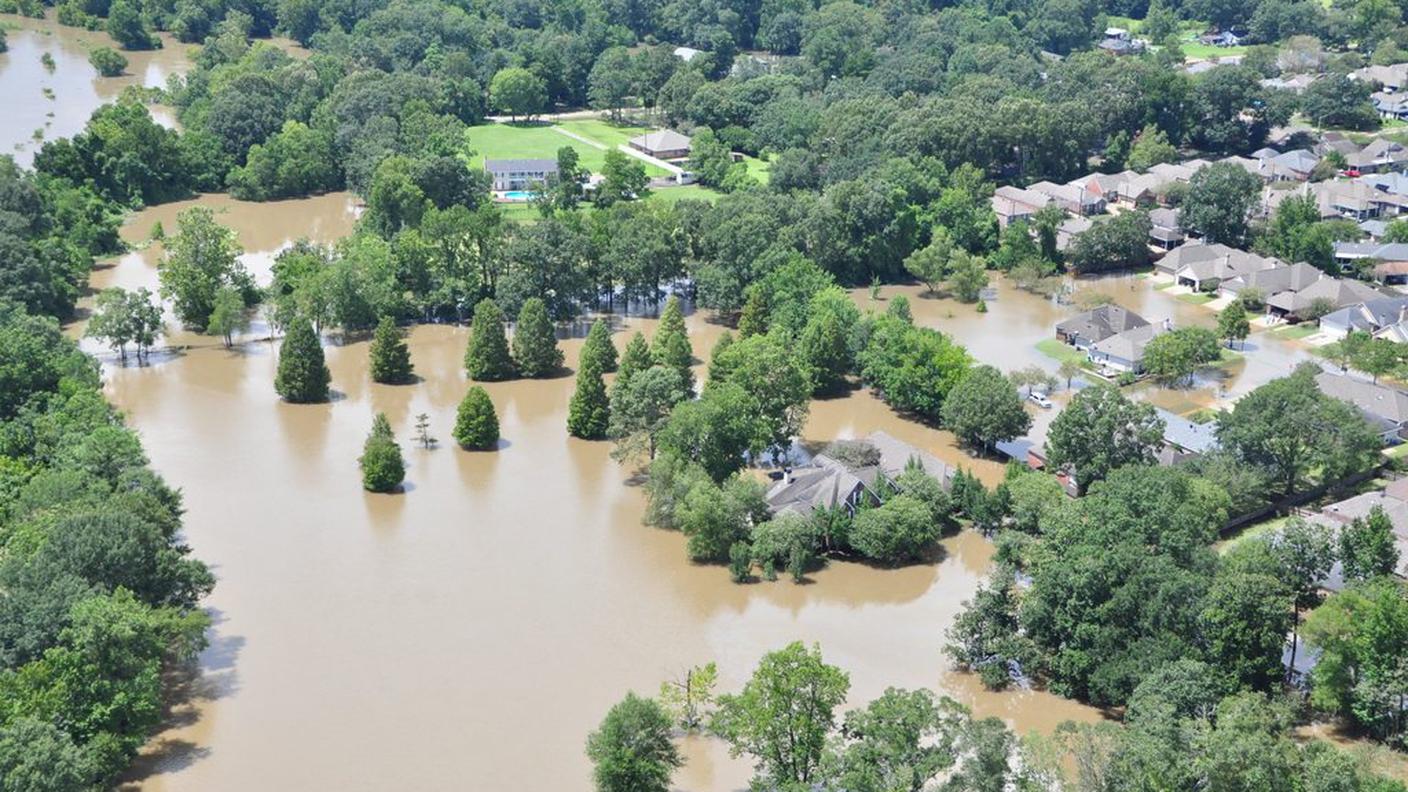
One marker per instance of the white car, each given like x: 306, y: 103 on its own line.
x: 1040, y: 400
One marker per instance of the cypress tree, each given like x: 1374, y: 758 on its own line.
x: 486, y: 358
x: 390, y: 358
x: 303, y: 376
x: 719, y: 365
x: 383, y: 468
x: 590, y: 411
x: 598, y: 347
x: 671, y: 345
x: 534, y: 342
x: 476, y: 423
x: 636, y: 358
x: 754, y: 320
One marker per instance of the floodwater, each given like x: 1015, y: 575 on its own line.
x: 470, y: 632
x: 75, y: 87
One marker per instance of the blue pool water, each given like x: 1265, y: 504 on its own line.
x: 518, y: 195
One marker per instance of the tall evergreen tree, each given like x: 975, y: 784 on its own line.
x: 635, y: 359
x: 754, y: 319
x: 487, y: 358
x: 390, y: 358
x: 590, y: 411
x: 303, y: 376
x: 535, y: 342
x: 598, y: 347
x: 476, y: 423
x: 671, y: 345
x: 383, y: 468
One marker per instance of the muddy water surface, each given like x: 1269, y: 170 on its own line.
x: 77, y: 89
x: 470, y: 632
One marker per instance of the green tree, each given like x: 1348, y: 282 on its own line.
x: 1101, y: 430
x: 1118, y: 242
x: 1232, y: 323
x: 535, y: 350
x: 567, y: 191
x: 984, y: 409
x: 825, y: 349
x: 302, y: 377
x: 1304, y: 554
x: 671, y: 346
x: 201, y: 259
x: 715, y: 431
x: 476, y: 423
x: 898, y: 530
x: 126, y: 27
x: 108, y: 61
x: 383, y: 469
x: 589, y: 412
x: 1175, y: 356
x: 1367, y: 547
x: 783, y: 715
x: 754, y: 318
x: 632, y: 750
x: 769, y: 372
x: 227, y: 316
x: 930, y: 265
x: 640, y: 409
x: 390, y: 357
x: 121, y: 317
x: 487, y: 358
x: 517, y: 91
x: 690, y: 700
x: 1150, y: 147
x: 968, y: 276
x: 622, y: 178
x: 610, y: 81
x: 899, y: 742
x: 1219, y: 203
x: 1362, y: 635
x: 597, y: 349
x: 635, y: 358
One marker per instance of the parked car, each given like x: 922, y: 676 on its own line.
x: 1040, y: 400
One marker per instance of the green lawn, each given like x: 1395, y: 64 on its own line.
x: 604, y: 132
x: 1059, y: 351
x: 1197, y: 50
x: 1197, y: 298
x: 1255, y: 529
x: 1296, y: 332
x: 539, y: 141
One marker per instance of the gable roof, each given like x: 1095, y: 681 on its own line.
x: 1101, y: 323
x: 1285, y: 277
x: 1130, y: 344
x: 1387, y: 405
x: 1338, y: 291
x: 1192, y: 438
x: 661, y: 140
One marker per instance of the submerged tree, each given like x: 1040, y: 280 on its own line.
x: 598, y: 347
x: 303, y: 376
x: 383, y: 468
x: 535, y: 350
x: 390, y: 357
x: 487, y: 359
x: 476, y: 423
x: 589, y: 413
x: 228, y: 316
x: 423, y: 435
x: 632, y: 750
x: 670, y: 346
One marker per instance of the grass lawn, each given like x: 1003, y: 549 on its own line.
x: 537, y: 141
x: 758, y: 169
x: 603, y: 132
x: 1397, y: 452
x: 1296, y: 332
x: 1197, y: 50
x: 1199, y: 298
x: 1059, y: 351
x: 1255, y: 529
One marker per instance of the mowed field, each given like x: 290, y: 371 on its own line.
x: 541, y: 141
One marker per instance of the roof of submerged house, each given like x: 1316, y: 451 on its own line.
x: 1101, y: 323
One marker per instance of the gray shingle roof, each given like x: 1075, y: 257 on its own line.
x: 1101, y: 323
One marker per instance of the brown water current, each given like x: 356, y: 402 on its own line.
x: 75, y: 87
x: 470, y: 632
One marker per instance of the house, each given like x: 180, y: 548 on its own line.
x: 1371, y: 316
x: 1390, y: 105
x: 665, y: 144
x: 1204, y: 267
x: 1294, y: 165
x: 1381, y: 154
x: 1184, y: 439
x: 1384, y: 407
x: 1072, y: 198
x: 1117, y: 41
x: 520, y: 174
x: 1104, y: 185
x: 1354, y: 200
x: 1392, y: 499
x: 1270, y: 282
x: 827, y: 483
x: 1125, y: 351
x: 1391, y: 78
x: 1390, y: 259
x: 1333, y: 293
x: 1224, y: 38
x: 1296, y: 84
x: 1084, y: 330
x: 1011, y: 204
x: 1374, y: 229
x: 1391, y: 182
x: 1165, y: 232
x: 1335, y: 141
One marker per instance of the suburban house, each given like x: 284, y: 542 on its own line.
x: 1165, y: 232
x: 1371, y: 316
x: 1204, y: 267
x: 1381, y: 154
x: 1104, y: 185
x: 1184, y: 439
x: 1011, y: 204
x: 665, y: 144
x: 1087, y: 329
x: 1392, y: 182
x: 1072, y: 198
x: 1384, y: 407
x: 1392, y: 499
x: 1354, y: 200
x: 827, y: 483
x: 1271, y: 282
x: 1117, y: 41
x: 1222, y: 38
x: 1390, y: 105
x: 1392, y: 78
x: 1069, y: 229
x: 1334, y: 293
x: 1125, y: 351
x: 520, y: 174
x: 1295, y: 165
x: 1390, y: 259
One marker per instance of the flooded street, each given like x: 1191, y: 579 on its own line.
x: 76, y: 89
x: 479, y: 625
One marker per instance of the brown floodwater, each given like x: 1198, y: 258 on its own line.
x: 75, y: 87
x: 471, y: 631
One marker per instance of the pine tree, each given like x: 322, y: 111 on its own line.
x: 303, y: 376
x: 754, y: 320
x: 598, y: 347
x: 636, y: 358
x: 476, y: 423
x: 719, y: 366
x: 390, y: 358
x: 383, y: 468
x: 671, y: 345
x: 590, y: 411
x: 535, y: 342
x: 487, y: 358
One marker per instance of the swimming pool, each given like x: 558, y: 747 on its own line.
x: 518, y: 195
